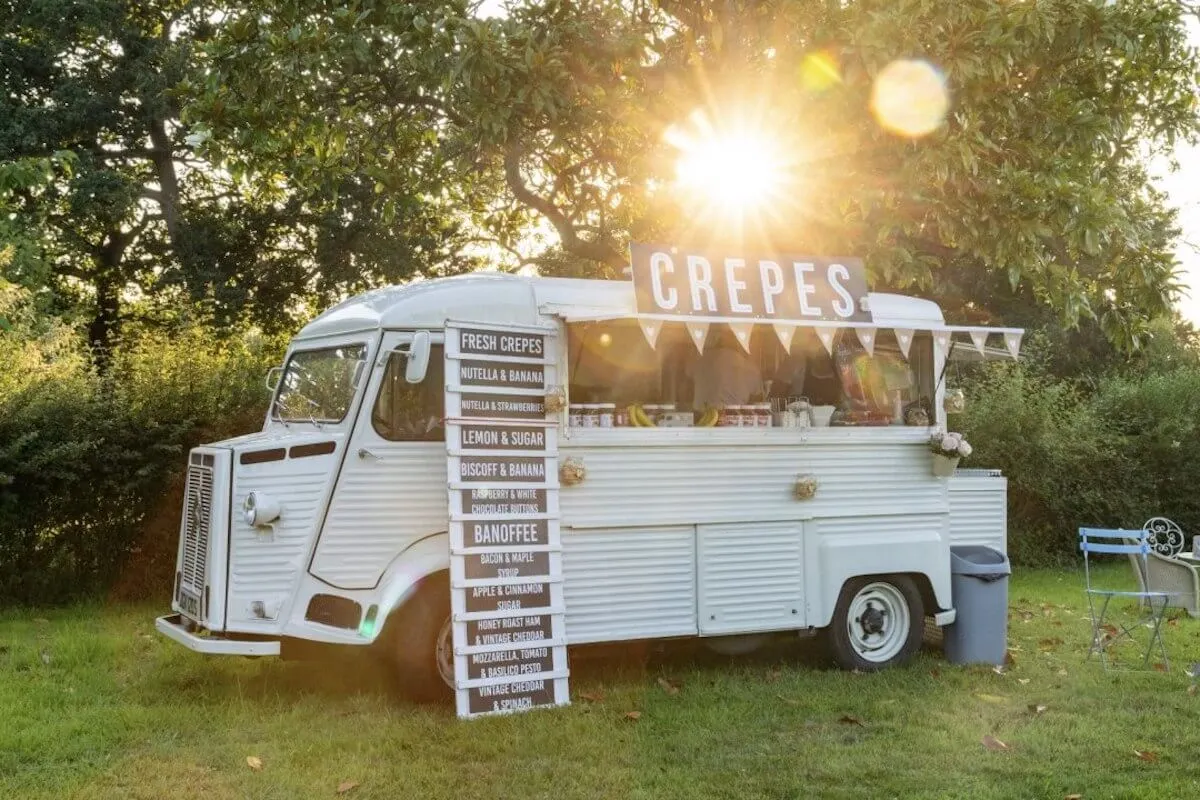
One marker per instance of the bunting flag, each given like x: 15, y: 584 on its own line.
x: 650, y: 329
x: 1013, y: 342
x: 866, y: 337
x: 826, y: 336
x: 697, y: 332
x: 785, y: 334
x: 942, y: 340
x: 741, y: 332
x: 904, y: 337
x: 979, y: 339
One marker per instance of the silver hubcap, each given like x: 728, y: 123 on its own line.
x: 878, y: 622
x: 444, y: 652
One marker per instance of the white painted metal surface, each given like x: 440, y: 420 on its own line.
x: 979, y: 509
x: 750, y: 577
x: 629, y: 583
x: 215, y: 646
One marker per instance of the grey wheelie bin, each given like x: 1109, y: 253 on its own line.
x: 979, y: 589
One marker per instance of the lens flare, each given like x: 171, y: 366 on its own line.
x: 819, y: 71
x: 735, y: 170
x: 909, y: 98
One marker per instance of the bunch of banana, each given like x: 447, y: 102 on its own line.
x: 638, y: 417
x: 707, y: 419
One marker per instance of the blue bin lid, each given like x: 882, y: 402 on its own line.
x: 977, y: 559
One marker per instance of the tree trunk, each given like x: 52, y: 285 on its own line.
x: 164, y: 167
x: 105, y: 322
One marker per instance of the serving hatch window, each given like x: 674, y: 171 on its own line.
x: 318, y: 385
x: 611, y: 362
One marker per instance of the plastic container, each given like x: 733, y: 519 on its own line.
x: 822, y: 415
x: 589, y: 416
x: 979, y: 591
x: 728, y: 417
x: 605, y: 415
x: 763, y: 414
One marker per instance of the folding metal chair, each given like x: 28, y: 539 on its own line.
x: 1152, y: 605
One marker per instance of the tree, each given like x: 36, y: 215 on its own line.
x: 557, y: 116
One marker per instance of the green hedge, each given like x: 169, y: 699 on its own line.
x: 89, y: 466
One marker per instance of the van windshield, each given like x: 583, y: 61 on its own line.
x: 318, y: 385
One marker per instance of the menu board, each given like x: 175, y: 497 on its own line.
x: 505, y: 554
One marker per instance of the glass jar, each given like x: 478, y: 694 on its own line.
x: 575, y: 415
x: 605, y: 413
x: 621, y: 417
x: 589, y: 417
x: 653, y: 412
x: 763, y: 413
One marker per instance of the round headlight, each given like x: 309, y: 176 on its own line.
x: 258, y: 510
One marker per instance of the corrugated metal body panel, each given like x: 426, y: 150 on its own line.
x: 266, y: 563
x: 381, y: 505
x: 750, y: 577
x: 679, y: 483
x: 629, y: 583
x: 979, y: 511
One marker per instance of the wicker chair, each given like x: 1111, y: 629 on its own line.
x: 1164, y: 571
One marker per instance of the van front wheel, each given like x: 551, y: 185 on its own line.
x: 878, y: 623
x: 420, y: 643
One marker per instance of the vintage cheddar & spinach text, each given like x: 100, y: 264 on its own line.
x: 668, y: 281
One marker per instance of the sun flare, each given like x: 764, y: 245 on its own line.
x: 733, y: 171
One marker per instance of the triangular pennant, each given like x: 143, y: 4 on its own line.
x: 866, y: 337
x: 697, y: 332
x: 826, y: 336
x: 1013, y: 342
x: 979, y: 339
x: 942, y: 340
x: 741, y: 332
x: 650, y: 329
x: 785, y: 334
x: 904, y: 337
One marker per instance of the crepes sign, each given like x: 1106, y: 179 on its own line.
x: 679, y: 282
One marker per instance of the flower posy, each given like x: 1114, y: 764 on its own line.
x: 951, y: 445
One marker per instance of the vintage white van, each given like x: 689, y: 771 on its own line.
x: 331, y: 524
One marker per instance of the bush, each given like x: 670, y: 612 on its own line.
x: 86, y: 462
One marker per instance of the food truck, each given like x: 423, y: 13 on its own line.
x: 471, y: 473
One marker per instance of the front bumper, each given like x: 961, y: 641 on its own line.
x: 172, y: 627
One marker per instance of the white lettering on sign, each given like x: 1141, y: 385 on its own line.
x: 735, y: 286
x: 669, y: 299
x: 838, y: 274
x: 805, y: 289
x: 700, y: 275
x: 772, y: 283
x: 507, y: 533
x: 512, y: 406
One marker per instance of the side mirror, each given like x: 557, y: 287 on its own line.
x: 272, y: 378
x: 418, y: 357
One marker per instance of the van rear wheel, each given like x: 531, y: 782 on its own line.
x: 878, y: 623
x: 420, y: 643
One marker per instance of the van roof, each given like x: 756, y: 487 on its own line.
x: 520, y: 300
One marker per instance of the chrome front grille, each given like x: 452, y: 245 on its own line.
x: 197, y: 525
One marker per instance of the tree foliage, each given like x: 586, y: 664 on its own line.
x: 553, y: 118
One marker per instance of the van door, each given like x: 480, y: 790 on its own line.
x: 392, y: 487
x: 750, y: 577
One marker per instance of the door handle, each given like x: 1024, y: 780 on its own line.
x: 365, y: 453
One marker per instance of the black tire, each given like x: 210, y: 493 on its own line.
x: 866, y: 643
x: 410, y: 642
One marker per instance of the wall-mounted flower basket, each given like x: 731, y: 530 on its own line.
x: 571, y: 471
x: 555, y: 400
x: 805, y: 487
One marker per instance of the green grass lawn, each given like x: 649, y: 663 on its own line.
x: 93, y: 704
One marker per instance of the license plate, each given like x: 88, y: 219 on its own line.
x: 189, y: 604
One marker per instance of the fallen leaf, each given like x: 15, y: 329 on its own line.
x: 774, y: 675
x: 1062, y: 671
x: 999, y: 670
x: 1008, y: 658
x: 1022, y: 681
x: 1035, y: 708
x: 992, y: 743
x: 1026, y: 616
x: 990, y: 698
x: 668, y: 687
x: 46, y: 657
x: 633, y: 716
x: 1146, y: 755
x: 935, y: 673
x: 347, y: 786
x: 1173, y: 621
x: 788, y: 700
x: 592, y: 697
x: 1160, y: 666
x: 1192, y: 690
x: 254, y: 763
x: 1073, y: 797
x: 41, y: 620
x: 1051, y: 642
x: 850, y: 719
